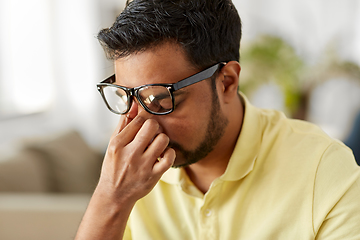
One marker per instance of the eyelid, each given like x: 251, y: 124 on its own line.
x: 179, y: 96
x: 162, y: 96
x: 179, y: 92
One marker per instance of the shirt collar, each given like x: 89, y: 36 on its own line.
x: 247, y: 146
x: 245, y: 152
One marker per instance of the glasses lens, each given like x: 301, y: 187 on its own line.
x: 157, y: 99
x: 116, y: 98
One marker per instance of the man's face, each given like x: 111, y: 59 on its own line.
x: 197, y: 123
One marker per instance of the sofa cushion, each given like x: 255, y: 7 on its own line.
x: 73, y: 166
x: 23, y: 172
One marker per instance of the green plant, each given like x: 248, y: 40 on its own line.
x: 270, y: 59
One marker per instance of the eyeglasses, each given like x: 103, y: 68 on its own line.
x: 156, y: 99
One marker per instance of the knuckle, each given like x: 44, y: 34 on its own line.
x: 112, y: 148
x: 115, y: 146
x: 163, y: 137
x: 152, y: 123
x: 138, y: 121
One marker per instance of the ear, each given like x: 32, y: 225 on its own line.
x: 230, y: 80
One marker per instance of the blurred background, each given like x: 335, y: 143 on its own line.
x: 297, y: 56
x: 301, y: 57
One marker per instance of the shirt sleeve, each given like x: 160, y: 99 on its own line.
x: 336, y: 203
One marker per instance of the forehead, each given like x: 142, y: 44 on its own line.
x: 166, y: 63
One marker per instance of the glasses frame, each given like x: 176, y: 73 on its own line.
x: 172, y: 87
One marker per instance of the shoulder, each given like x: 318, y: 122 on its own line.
x: 336, y: 194
x: 292, y: 135
x: 300, y: 145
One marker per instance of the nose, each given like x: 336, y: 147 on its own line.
x: 135, y: 109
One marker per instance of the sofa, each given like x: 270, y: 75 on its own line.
x: 45, y: 187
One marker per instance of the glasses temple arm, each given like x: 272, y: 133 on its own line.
x: 196, y: 78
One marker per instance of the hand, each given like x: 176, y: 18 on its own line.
x: 131, y: 167
x: 130, y: 170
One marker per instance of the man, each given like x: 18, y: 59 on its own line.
x: 238, y: 172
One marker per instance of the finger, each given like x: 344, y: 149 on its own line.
x: 120, y: 126
x: 127, y: 122
x: 157, y: 147
x: 128, y: 133
x: 165, y: 162
x: 146, y: 133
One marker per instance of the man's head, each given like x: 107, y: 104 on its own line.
x: 163, y: 42
x: 209, y: 31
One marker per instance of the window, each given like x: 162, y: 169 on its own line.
x: 26, y: 75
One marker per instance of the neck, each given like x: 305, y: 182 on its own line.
x: 204, y: 172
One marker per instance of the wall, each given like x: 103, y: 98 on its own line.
x: 77, y: 63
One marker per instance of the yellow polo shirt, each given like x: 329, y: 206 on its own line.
x: 286, y: 180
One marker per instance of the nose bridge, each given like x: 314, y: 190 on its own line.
x: 136, y: 108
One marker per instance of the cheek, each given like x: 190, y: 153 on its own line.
x: 187, y: 125
x: 188, y: 129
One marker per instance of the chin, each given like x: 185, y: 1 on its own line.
x: 183, y: 162
x: 179, y: 162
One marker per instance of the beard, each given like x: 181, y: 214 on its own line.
x: 215, y: 130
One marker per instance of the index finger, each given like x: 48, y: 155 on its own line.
x: 127, y: 130
x: 120, y: 126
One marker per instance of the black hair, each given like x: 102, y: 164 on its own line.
x: 209, y: 31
